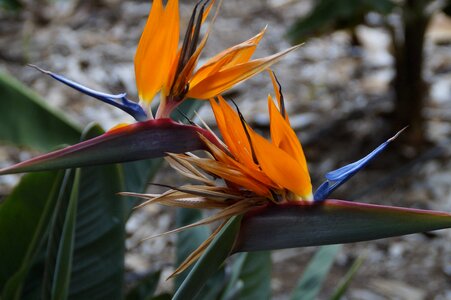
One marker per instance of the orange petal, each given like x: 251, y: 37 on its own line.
x: 219, y: 82
x: 221, y: 63
x: 157, y: 49
x: 254, y: 173
x: 281, y: 167
x: 147, y: 39
x: 233, y: 133
x: 284, y: 137
x: 207, y: 11
x: 235, y: 55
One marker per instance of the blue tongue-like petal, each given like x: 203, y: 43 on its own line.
x: 120, y: 100
x: 339, y: 176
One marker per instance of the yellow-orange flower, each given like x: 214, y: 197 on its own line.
x: 162, y: 65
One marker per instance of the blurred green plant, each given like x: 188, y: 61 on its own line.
x: 13, y: 5
x: 408, y: 37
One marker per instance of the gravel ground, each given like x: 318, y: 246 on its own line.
x: 336, y: 97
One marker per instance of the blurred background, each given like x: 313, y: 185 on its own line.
x: 366, y: 69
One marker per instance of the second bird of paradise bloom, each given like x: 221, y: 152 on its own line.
x: 166, y: 66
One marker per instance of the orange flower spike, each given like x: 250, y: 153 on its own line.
x: 232, y: 132
x: 157, y: 49
x: 282, y: 168
x: 232, y: 56
x: 279, y: 164
x: 225, y: 78
x: 237, y: 143
x: 283, y: 136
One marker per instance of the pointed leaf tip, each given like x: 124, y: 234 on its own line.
x: 143, y: 140
x: 331, y: 222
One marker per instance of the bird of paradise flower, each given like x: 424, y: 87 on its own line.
x: 254, y: 171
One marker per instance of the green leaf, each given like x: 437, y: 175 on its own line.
x: 63, y: 267
x: 24, y: 218
x: 188, y: 240
x: 214, y: 286
x: 98, y: 261
x: 28, y: 121
x: 55, y: 235
x: 143, y: 140
x: 251, y: 277
x: 10, y: 4
x: 331, y: 222
x: 234, y: 285
x: 210, y: 261
x: 330, y: 15
x: 256, y: 276
x: 162, y: 297
x: 145, y: 288
x: 346, y: 280
x: 137, y: 175
x: 315, y: 274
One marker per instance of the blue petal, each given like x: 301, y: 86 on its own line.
x: 120, y: 100
x: 339, y: 176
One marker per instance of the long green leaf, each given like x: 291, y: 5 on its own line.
x: 98, y: 261
x: 24, y: 217
x: 26, y: 120
x: 331, y: 222
x: 251, y: 277
x: 316, y: 272
x: 210, y: 261
x: 346, y: 280
x: 55, y: 234
x: 143, y: 140
x: 63, y: 267
x: 144, y: 288
x: 10, y: 4
x: 188, y: 240
x: 329, y: 15
x: 234, y: 285
x: 256, y: 276
x: 137, y: 175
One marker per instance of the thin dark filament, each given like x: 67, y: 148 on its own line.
x: 244, y: 124
x: 190, y: 40
x: 282, y: 101
x: 186, y: 117
x: 186, y: 41
x: 196, y: 32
